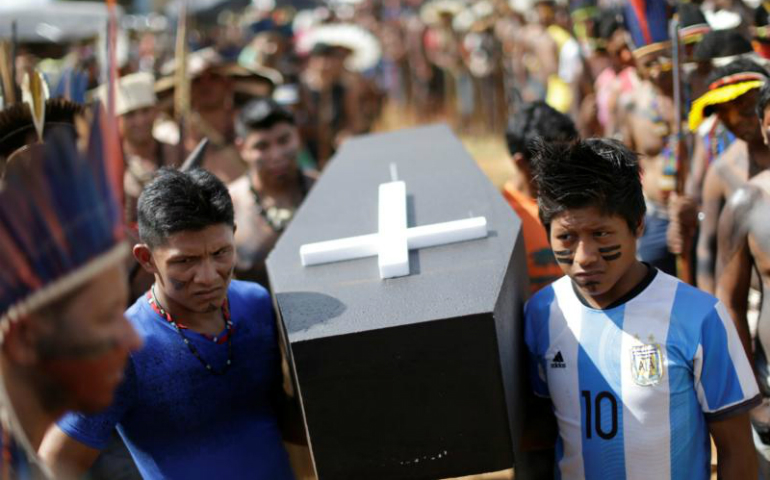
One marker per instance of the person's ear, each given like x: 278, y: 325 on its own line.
x: 239, y: 144
x: 143, y: 256
x: 520, y: 162
x: 20, y: 340
x: 639, y: 229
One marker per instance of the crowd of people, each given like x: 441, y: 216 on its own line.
x: 638, y: 133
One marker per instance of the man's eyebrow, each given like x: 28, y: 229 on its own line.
x: 180, y: 256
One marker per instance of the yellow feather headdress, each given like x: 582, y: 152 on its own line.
x: 721, y: 91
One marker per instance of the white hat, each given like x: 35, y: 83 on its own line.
x: 286, y: 95
x: 133, y: 92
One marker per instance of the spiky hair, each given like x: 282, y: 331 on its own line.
x: 597, y: 172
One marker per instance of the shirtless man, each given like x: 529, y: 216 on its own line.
x: 745, y: 157
x: 557, y: 70
x: 266, y: 197
x: 647, y: 125
x: 744, y: 249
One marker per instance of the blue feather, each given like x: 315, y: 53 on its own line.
x: 71, y: 217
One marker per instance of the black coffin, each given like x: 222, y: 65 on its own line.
x: 417, y: 376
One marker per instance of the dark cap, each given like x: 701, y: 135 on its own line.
x: 261, y: 114
x: 720, y: 44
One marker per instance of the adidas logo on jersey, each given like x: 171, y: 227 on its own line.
x: 558, y: 361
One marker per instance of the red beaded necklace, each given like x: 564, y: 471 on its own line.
x: 228, y: 335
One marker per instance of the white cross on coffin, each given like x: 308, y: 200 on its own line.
x: 394, y: 239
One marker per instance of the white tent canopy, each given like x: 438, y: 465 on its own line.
x: 42, y: 21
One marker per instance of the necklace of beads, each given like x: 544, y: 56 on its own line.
x: 277, y: 218
x: 190, y: 346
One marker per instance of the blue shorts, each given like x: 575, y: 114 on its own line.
x: 652, y: 247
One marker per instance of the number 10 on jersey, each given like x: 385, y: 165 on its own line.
x: 593, y: 414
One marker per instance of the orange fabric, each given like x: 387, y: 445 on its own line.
x: 541, y: 265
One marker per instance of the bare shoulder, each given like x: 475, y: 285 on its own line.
x: 736, y: 154
x: 239, y: 187
x: 240, y: 193
x: 732, y: 166
x: 744, y: 198
x: 761, y: 181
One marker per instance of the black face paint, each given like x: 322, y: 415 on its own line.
x: 609, y: 250
x: 177, y: 284
x: 565, y: 257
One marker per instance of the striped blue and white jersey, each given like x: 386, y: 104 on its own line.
x: 633, y: 386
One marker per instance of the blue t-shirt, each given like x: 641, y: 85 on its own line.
x: 179, y: 420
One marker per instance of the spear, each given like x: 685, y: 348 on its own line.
x: 683, y: 260
x: 14, y: 45
x: 182, y: 83
x: 112, y: 146
x: 8, y: 69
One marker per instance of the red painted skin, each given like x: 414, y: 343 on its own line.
x: 90, y: 351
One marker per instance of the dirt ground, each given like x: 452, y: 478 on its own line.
x: 488, y: 149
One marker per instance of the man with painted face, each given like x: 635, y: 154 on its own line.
x: 64, y: 341
x: 640, y: 367
x: 732, y: 95
x: 202, y: 399
x: 648, y: 124
x: 266, y: 197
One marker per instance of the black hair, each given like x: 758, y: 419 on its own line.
x: 738, y: 66
x: 761, y: 16
x: 261, y: 114
x: 763, y: 101
x: 608, y: 22
x: 322, y: 50
x: 182, y: 201
x: 537, y: 120
x: 690, y: 15
x: 597, y: 172
x: 720, y: 44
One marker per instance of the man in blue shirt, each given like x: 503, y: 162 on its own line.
x: 640, y: 368
x: 202, y: 398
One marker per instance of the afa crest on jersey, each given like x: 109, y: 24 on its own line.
x: 647, y: 364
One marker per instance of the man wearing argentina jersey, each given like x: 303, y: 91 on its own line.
x: 640, y: 368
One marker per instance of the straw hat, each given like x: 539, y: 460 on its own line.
x: 431, y: 12
x: 134, y: 91
x: 208, y: 59
x: 365, y: 47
